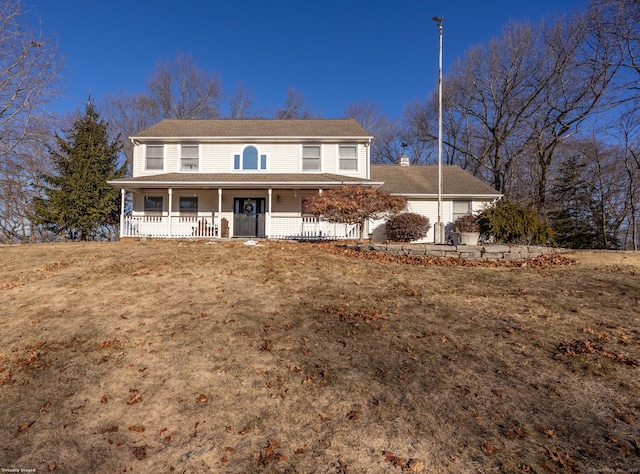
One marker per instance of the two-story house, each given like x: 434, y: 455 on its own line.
x: 247, y: 178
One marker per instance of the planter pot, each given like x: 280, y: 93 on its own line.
x: 465, y: 238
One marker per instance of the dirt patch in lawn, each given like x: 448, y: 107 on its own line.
x: 287, y: 357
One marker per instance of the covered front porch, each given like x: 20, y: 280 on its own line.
x: 215, y: 226
x: 224, y: 213
x: 194, y: 205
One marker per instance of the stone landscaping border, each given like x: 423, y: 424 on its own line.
x: 470, y: 252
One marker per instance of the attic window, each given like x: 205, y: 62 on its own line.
x: 250, y: 160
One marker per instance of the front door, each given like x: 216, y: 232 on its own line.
x: 248, y: 217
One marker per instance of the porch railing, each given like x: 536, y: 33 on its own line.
x: 311, y: 228
x: 165, y: 227
x: 280, y: 227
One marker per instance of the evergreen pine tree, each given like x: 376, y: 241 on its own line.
x: 572, y: 218
x: 77, y: 199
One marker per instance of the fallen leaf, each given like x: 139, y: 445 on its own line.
x: 140, y: 452
x: 109, y: 429
x: 134, y: 397
x: 353, y: 415
x: 487, y: 448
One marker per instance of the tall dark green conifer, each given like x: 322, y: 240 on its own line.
x: 77, y: 200
x: 572, y: 219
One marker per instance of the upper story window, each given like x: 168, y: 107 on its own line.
x: 311, y: 158
x: 250, y: 159
x: 155, y: 157
x: 189, y: 157
x: 348, y: 156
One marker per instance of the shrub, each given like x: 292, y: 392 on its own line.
x: 407, y: 227
x: 352, y: 204
x: 509, y: 222
x: 466, y: 223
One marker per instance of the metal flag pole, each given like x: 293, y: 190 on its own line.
x: 439, y: 230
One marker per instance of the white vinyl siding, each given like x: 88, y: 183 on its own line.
x: 311, y: 158
x: 154, y: 159
x: 348, y: 156
x: 189, y: 158
x: 272, y: 158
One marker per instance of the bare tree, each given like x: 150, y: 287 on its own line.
x: 128, y: 114
x: 178, y: 89
x: 419, y: 130
x: 29, y: 70
x: 627, y: 131
x: 492, y: 92
x: 182, y: 90
x: 241, y: 103
x: 29, y: 74
x: 386, y: 146
x: 294, y: 107
x: 618, y: 22
x: 572, y: 86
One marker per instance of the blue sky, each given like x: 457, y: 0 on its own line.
x: 332, y: 51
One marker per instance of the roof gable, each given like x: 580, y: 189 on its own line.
x: 252, y: 128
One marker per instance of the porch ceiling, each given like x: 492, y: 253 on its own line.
x: 240, y: 181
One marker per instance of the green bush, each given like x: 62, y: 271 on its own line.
x: 511, y: 223
x: 407, y: 227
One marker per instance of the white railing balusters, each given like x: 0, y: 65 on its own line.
x: 282, y: 227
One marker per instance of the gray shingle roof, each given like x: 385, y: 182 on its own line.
x: 255, y: 128
x: 241, y: 179
x: 420, y: 179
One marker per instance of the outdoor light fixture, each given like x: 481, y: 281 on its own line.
x: 439, y: 229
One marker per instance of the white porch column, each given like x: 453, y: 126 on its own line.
x: 122, y: 196
x: 170, y: 190
x: 219, y: 219
x: 268, y: 220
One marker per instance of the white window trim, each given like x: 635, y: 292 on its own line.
x: 302, y: 146
x: 339, y: 160
x: 241, y: 153
x: 164, y: 153
x: 182, y: 169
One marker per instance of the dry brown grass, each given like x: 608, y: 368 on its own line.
x: 187, y: 357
